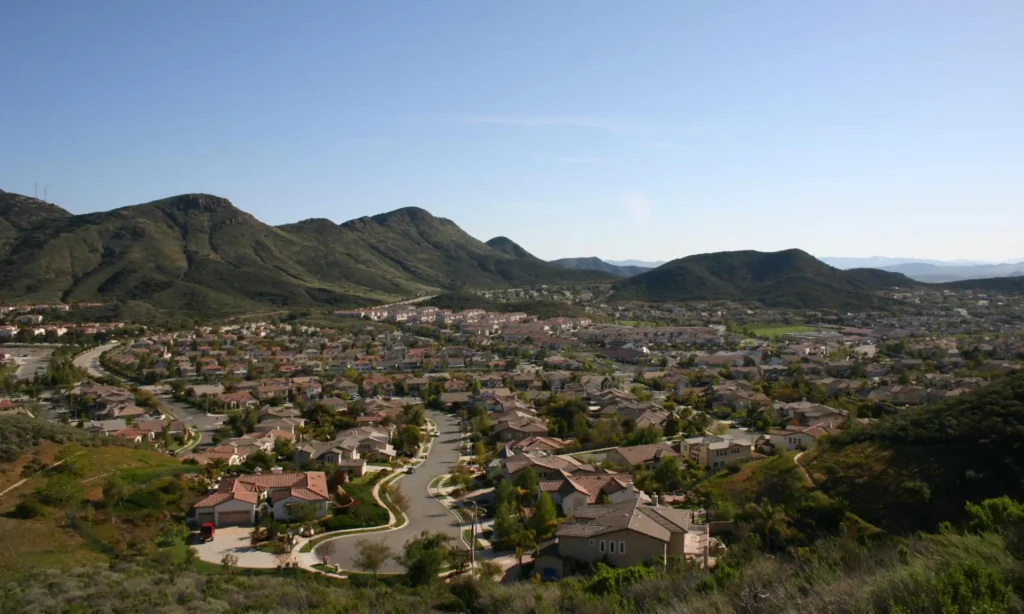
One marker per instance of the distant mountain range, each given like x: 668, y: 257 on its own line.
x: 933, y: 271
x: 643, y: 264
x: 786, y: 279
x: 199, y: 254
x: 596, y: 264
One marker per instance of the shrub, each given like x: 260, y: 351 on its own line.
x: 61, y: 491
x: 30, y: 507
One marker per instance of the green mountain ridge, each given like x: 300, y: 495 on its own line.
x: 788, y: 279
x: 198, y: 253
x: 596, y: 264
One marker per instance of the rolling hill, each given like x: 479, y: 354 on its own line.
x: 596, y: 264
x: 915, y: 469
x: 789, y: 279
x: 198, y: 253
x: 511, y: 248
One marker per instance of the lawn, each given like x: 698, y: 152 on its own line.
x: 370, y: 514
x: 773, y: 330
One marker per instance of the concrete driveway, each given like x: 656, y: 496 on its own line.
x: 235, y: 540
x: 425, y: 512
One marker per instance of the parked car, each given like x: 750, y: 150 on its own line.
x: 206, y: 532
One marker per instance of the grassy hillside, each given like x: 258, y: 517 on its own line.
x: 82, y: 529
x: 789, y: 279
x: 510, y: 247
x: 916, y: 469
x: 197, y: 253
x: 1013, y: 285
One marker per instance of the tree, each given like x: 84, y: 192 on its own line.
x: 283, y: 448
x: 643, y: 436
x: 409, y: 438
x: 115, y: 490
x: 545, y: 518
x: 525, y: 541
x: 325, y: 551
x: 479, y: 453
x: 769, y: 521
x: 527, y: 483
x: 506, y: 522
x: 504, y: 493
x: 424, y: 557
x: 215, y: 468
x: 397, y: 497
x: 61, y: 491
x: 371, y: 556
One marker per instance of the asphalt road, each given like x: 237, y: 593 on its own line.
x: 197, y: 419
x: 425, y: 513
x: 90, y: 361
x: 194, y: 418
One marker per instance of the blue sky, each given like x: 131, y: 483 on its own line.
x: 646, y: 130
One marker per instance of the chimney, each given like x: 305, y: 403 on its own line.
x: 654, y: 499
x: 276, y: 470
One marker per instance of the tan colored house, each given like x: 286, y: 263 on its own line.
x: 647, y: 455
x: 629, y: 533
x: 236, y: 499
x: 574, y: 492
x: 794, y: 437
x: 713, y: 452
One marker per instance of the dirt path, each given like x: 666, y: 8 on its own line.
x: 17, y: 484
x: 807, y: 476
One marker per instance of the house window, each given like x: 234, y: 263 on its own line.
x: 591, y: 543
x: 611, y: 547
x: 622, y: 547
x: 600, y: 546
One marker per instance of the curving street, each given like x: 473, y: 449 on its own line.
x: 196, y: 419
x: 425, y: 512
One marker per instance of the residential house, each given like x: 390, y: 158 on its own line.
x: 574, y: 492
x: 799, y: 437
x: 236, y: 500
x: 541, y: 444
x: 630, y: 533
x: 646, y: 455
x: 714, y: 452
x: 237, y: 400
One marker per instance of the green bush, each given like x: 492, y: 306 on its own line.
x: 61, y: 491
x: 30, y: 507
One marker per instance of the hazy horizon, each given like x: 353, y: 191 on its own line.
x: 579, y: 128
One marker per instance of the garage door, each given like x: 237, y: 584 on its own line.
x: 204, y: 516
x: 234, y: 518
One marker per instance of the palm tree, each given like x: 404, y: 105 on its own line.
x: 770, y: 520
x: 216, y: 468
x: 525, y: 541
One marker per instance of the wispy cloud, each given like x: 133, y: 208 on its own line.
x: 587, y: 123
x: 569, y: 159
x: 637, y: 207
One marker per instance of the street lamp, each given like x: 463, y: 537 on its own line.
x: 472, y: 533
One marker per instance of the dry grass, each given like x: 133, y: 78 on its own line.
x: 48, y: 542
